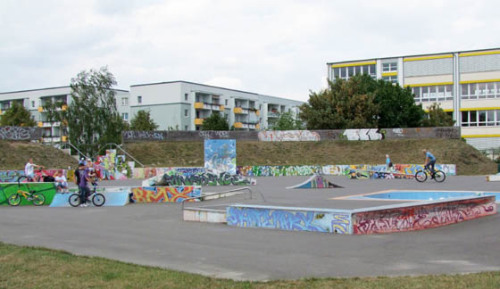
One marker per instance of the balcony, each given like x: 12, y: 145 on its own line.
x: 208, y: 106
x: 198, y: 121
x: 238, y: 125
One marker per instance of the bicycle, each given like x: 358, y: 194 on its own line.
x: 95, y: 197
x: 37, y: 198
x: 422, y: 175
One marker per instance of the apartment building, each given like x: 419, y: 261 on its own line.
x: 36, y: 101
x: 177, y: 105
x: 182, y: 105
x: 466, y: 84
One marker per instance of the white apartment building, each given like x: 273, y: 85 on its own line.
x: 466, y: 84
x: 34, y: 100
x: 182, y: 105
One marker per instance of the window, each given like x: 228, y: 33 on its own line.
x: 186, y: 112
x: 391, y: 78
x: 139, y: 99
x: 185, y: 96
x: 32, y: 103
x: 390, y: 66
x: 226, y: 102
x: 125, y: 116
x: 125, y: 101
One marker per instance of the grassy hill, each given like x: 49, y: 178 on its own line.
x: 469, y: 161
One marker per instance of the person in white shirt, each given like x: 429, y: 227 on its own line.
x: 61, y: 182
x: 29, y: 170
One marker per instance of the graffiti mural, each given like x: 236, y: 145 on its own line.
x: 289, y: 135
x: 202, y: 179
x: 10, y: 176
x: 164, y: 194
x: 290, y: 220
x: 20, y: 133
x: 363, y: 134
x: 421, y: 217
x: 400, y: 170
x: 220, y: 155
x: 48, y: 190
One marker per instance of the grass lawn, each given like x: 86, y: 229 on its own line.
x: 27, y: 267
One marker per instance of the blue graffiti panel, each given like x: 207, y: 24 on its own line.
x: 290, y: 220
x: 220, y: 155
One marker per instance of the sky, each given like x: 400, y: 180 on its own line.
x: 274, y: 47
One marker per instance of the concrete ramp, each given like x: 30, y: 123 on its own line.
x: 316, y: 181
x: 113, y: 199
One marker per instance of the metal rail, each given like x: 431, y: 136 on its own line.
x: 247, y: 189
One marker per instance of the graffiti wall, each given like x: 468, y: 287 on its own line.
x: 400, y: 170
x: 164, y: 194
x: 20, y: 133
x: 289, y: 135
x: 46, y: 189
x: 423, y: 216
x: 220, y: 156
x: 288, y: 219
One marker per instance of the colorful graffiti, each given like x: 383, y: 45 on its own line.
x: 400, y: 170
x: 423, y: 216
x: 7, y: 189
x: 203, y: 179
x: 289, y: 135
x: 164, y: 194
x: 288, y: 219
x: 220, y: 155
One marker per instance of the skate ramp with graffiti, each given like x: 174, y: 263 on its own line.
x: 201, y: 177
x: 316, y: 181
x: 373, y: 220
x: 48, y: 190
x: 158, y: 194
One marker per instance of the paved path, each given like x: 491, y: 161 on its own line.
x: 154, y: 234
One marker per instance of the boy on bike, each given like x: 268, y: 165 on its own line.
x: 430, y: 161
x: 81, y: 180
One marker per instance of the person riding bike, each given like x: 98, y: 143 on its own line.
x: 430, y: 161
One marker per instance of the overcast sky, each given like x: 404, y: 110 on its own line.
x: 273, y: 47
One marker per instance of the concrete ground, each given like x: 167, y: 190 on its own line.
x: 156, y: 235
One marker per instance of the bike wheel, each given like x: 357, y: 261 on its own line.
x: 74, y: 200
x: 420, y: 176
x: 98, y: 199
x: 439, y: 176
x: 14, y: 200
x: 38, y: 199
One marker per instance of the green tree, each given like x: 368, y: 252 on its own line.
x: 436, y: 116
x: 17, y: 115
x: 93, y: 119
x: 397, y: 106
x: 287, y: 121
x: 142, y: 122
x: 344, y: 104
x: 215, y: 122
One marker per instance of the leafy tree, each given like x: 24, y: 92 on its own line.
x: 344, y: 104
x: 142, y: 122
x: 397, y: 106
x: 17, y: 115
x: 215, y: 122
x: 437, y: 117
x: 93, y: 119
x: 287, y: 121
x: 361, y: 102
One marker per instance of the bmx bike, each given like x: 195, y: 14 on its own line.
x: 422, y: 175
x: 95, y: 197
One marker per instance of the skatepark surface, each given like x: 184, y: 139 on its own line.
x: 156, y: 235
